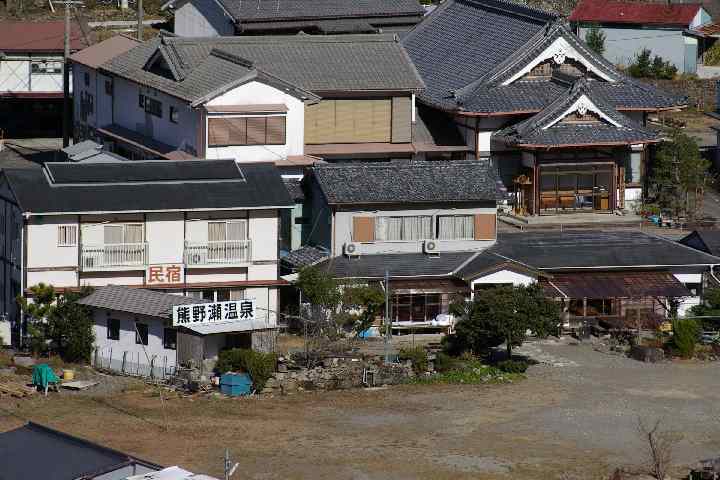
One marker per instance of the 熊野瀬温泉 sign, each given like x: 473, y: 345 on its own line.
x: 213, y: 312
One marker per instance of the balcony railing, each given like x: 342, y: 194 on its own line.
x: 222, y: 252
x: 95, y: 257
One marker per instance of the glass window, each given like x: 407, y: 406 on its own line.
x: 169, y: 338
x: 113, y: 329
x: 632, y: 167
x: 141, y: 333
x: 456, y: 227
x: 108, y: 87
x: 67, y: 235
x: 403, y: 228
x: 174, y: 115
x: 153, y: 107
x: 86, y: 79
x: 141, y: 100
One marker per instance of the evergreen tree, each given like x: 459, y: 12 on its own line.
x: 595, y: 39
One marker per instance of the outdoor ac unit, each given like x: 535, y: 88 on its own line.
x: 351, y: 249
x: 431, y: 246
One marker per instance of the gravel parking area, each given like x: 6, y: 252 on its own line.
x: 574, y: 417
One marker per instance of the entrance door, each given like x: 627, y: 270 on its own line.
x: 575, y: 189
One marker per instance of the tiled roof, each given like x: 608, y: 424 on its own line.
x: 278, y: 10
x: 450, y: 51
x: 294, y: 188
x: 398, y: 265
x: 544, y: 129
x: 640, y: 12
x: 709, y: 241
x: 203, y: 67
x: 148, y: 186
x: 404, y: 181
x: 135, y: 300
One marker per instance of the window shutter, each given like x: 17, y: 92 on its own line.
x: 256, y: 131
x: 276, y: 130
x: 485, y: 225
x: 237, y: 133
x: 363, y: 229
x: 218, y: 132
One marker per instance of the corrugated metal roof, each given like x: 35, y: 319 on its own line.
x: 640, y: 12
x: 39, y: 37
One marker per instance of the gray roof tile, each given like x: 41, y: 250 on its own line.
x: 398, y: 265
x: 265, y: 10
x: 138, y: 301
x: 308, y: 63
x: 304, y: 257
x: 404, y: 181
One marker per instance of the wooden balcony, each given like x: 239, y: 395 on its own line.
x: 228, y: 252
x: 113, y: 256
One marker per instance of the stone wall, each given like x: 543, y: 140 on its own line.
x: 338, y: 374
x: 701, y: 93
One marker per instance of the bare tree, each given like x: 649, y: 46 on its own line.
x: 660, y: 445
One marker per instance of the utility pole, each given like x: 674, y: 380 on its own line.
x: 67, y: 105
x: 140, y: 20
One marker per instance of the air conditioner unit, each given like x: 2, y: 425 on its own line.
x: 351, y: 249
x: 431, y: 246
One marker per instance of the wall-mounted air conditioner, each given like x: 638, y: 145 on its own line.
x: 431, y: 246
x: 351, y: 249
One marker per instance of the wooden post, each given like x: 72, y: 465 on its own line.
x: 584, y: 306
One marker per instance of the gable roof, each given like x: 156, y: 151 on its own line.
x: 398, y: 265
x: 138, y: 301
x: 461, y: 74
x: 636, y: 12
x: 63, y: 456
x: 95, y: 55
x: 39, y: 37
x: 152, y: 185
x: 546, y: 128
x: 276, y: 10
x: 201, y: 68
x: 404, y: 181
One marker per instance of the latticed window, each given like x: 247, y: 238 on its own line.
x: 67, y: 235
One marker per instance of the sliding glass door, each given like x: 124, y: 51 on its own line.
x: 570, y: 189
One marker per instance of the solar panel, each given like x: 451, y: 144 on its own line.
x: 143, y: 171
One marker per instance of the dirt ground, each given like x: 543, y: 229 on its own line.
x: 575, y: 416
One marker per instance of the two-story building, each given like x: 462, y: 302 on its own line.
x: 416, y: 221
x: 284, y: 99
x: 31, y: 75
x: 565, y: 131
x: 207, y: 18
x: 204, y: 229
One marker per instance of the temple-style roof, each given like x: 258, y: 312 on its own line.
x: 575, y: 119
x: 523, y: 71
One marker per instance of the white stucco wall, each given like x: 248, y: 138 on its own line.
x: 257, y: 93
x: 182, y: 135
x: 501, y: 277
x: 344, y: 231
x: 202, y: 18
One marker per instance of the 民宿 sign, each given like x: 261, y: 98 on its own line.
x: 212, y: 313
x: 170, y: 274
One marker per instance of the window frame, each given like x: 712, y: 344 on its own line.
x: 153, y: 107
x: 108, y: 329
x: 36, y: 70
x: 437, y: 227
x: 141, y: 100
x: 138, y: 333
x: 67, y: 228
x: 432, y: 235
x: 109, y: 88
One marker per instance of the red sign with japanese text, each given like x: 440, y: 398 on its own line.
x: 167, y: 274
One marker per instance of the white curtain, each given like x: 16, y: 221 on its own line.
x: 403, y: 228
x: 393, y: 228
x: 216, y: 232
x: 133, y: 233
x: 112, y: 234
x: 459, y: 227
x: 380, y: 226
x: 236, y: 230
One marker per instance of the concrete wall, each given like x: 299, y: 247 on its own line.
x: 202, y: 18
x: 344, y: 229
x: 256, y: 93
x: 622, y: 44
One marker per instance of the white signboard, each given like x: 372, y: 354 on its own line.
x: 213, y: 313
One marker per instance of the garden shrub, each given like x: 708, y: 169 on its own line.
x: 445, y: 362
x: 513, y: 366
x: 685, y: 337
x: 417, y: 356
x: 260, y: 366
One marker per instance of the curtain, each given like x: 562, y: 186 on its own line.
x: 393, y: 230
x: 236, y: 230
x: 380, y: 226
x: 403, y: 228
x: 112, y: 234
x: 133, y: 233
x: 460, y: 227
x: 216, y: 232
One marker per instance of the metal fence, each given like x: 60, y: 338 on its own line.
x: 132, y: 363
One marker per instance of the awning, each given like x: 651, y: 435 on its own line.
x: 614, y: 285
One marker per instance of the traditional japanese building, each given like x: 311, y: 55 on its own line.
x: 565, y: 131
